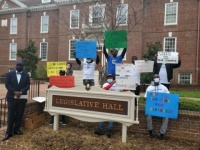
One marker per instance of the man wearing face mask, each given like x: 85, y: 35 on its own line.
x: 88, y: 70
x: 113, y: 59
x: 17, y: 84
x: 157, y: 87
x: 165, y: 71
x: 109, y: 85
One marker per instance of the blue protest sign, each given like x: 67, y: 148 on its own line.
x: 162, y: 104
x: 86, y: 49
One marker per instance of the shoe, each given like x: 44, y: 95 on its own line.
x: 6, y: 137
x: 151, y: 134
x: 160, y: 136
x: 98, y: 132
x: 18, y: 132
x: 109, y: 133
x: 63, y: 122
x: 51, y: 122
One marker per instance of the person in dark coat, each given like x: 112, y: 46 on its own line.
x: 165, y: 71
x: 17, y: 84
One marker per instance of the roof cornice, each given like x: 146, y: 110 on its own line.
x: 18, y: 3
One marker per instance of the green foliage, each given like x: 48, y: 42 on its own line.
x: 152, y: 49
x: 189, y: 105
x: 184, y: 104
x: 42, y: 71
x: 193, y: 94
x: 30, y: 58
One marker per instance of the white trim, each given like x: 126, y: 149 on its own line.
x: 91, y: 17
x: 41, y: 23
x: 123, y: 15
x: 71, y: 20
x: 184, y: 73
x: 11, y: 25
x: 46, y: 51
x: 70, y: 48
x: 46, y: 1
x: 19, y: 3
x: 175, y: 48
x: 176, y: 22
x: 10, y: 48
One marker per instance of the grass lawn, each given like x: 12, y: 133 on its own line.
x: 193, y: 94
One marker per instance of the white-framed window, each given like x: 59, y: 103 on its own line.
x: 185, y: 78
x: 74, y: 19
x: 72, y: 48
x: 96, y: 14
x: 13, y: 51
x: 122, y: 14
x: 171, y: 13
x: 44, y: 24
x: 170, y: 44
x: 13, y: 25
x: 46, y: 1
x: 43, y: 51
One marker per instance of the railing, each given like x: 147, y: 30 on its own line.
x: 33, y: 92
x: 3, y: 112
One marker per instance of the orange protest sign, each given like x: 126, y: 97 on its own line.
x: 62, y: 81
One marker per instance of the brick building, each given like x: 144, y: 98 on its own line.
x: 54, y: 25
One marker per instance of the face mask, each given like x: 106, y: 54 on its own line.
x: 88, y: 60
x: 19, y: 69
x: 109, y: 80
x: 68, y: 67
x: 156, y: 81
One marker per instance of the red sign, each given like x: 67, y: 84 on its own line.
x: 62, y: 81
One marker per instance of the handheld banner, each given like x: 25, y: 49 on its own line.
x: 162, y: 104
x: 144, y: 66
x: 53, y: 68
x: 62, y: 81
x: 124, y: 69
x: 115, y: 39
x: 86, y: 49
x: 125, y: 83
x: 167, y: 57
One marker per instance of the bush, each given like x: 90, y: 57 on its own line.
x: 184, y: 104
x: 189, y: 105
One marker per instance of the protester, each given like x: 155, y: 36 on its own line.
x: 17, y: 84
x: 62, y: 120
x: 157, y: 87
x: 137, y: 76
x: 88, y: 70
x: 109, y: 85
x: 165, y: 71
x: 113, y: 59
x: 69, y: 71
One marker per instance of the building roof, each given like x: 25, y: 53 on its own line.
x: 35, y: 2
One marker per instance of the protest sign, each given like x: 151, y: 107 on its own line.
x: 86, y: 49
x: 162, y: 104
x: 53, y: 68
x: 167, y: 57
x: 115, y: 39
x: 62, y: 81
x: 125, y: 83
x: 124, y: 69
x: 144, y: 66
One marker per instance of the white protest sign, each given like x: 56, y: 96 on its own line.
x: 124, y: 69
x: 125, y: 82
x: 144, y: 66
x: 167, y: 57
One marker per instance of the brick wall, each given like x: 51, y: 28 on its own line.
x: 187, y: 126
